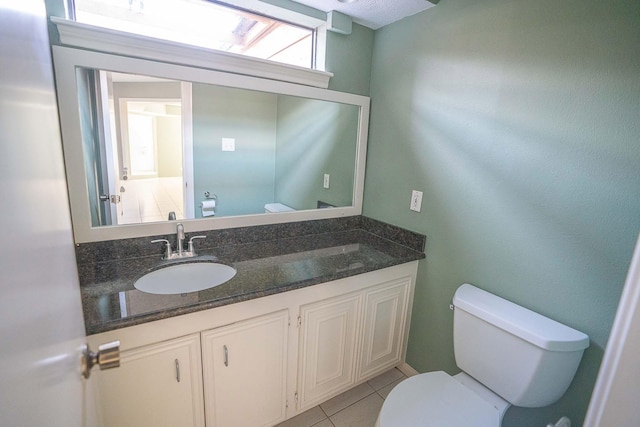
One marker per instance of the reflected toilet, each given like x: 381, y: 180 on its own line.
x: 277, y: 207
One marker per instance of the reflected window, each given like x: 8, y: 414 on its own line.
x: 205, y: 24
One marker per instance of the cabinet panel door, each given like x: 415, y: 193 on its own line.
x: 328, y: 340
x: 245, y: 372
x: 385, y: 310
x: 156, y: 385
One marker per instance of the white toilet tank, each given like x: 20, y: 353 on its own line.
x: 277, y: 207
x: 526, y: 358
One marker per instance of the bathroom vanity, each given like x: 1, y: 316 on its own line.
x: 304, y: 319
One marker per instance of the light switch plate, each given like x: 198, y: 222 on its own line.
x: 416, y: 201
x: 325, y: 183
x: 228, y: 144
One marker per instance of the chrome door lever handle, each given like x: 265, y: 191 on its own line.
x: 107, y: 357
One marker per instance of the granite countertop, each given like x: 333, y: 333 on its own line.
x: 110, y: 300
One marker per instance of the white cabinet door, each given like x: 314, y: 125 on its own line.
x: 156, y: 385
x: 328, y: 340
x: 385, y: 317
x: 245, y: 372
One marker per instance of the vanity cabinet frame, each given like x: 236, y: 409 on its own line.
x: 387, y: 292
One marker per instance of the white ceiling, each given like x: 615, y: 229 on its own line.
x: 372, y: 13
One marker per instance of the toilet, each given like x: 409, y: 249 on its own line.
x: 277, y: 207
x: 508, y: 355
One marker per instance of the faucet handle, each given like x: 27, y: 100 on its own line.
x: 190, y: 248
x: 167, y: 250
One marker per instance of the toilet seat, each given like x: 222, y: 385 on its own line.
x: 436, y: 399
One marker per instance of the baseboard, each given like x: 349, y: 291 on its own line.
x: 406, y: 369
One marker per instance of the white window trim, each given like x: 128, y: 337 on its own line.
x: 79, y: 35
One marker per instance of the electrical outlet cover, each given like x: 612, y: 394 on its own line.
x: 416, y: 201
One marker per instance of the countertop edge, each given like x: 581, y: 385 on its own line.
x: 206, y: 305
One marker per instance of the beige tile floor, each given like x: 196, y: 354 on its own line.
x: 357, y: 407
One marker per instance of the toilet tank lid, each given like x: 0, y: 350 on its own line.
x: 278, y: 207
x: 519, y: 321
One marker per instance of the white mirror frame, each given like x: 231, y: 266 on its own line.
x: 67, y: 60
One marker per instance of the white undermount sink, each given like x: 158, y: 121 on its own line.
x: 186, y: 277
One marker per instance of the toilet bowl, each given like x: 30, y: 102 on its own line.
x: 508, y: 354
x: 438, y: 399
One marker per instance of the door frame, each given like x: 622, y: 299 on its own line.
x: 617, y: 391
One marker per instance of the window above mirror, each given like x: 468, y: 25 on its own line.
x: 84, y: 36
x: 205, y: 24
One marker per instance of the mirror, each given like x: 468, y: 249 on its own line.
x: 147, y: 144
x: 247, y: 152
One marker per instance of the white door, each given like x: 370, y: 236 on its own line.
x: 109, y: 155
x: 41, y: 323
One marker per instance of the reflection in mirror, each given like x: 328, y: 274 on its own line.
x: 133, y: 138
x: 157, y: 149
x: 237, y: 146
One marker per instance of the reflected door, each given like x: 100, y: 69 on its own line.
x: 151, y: 143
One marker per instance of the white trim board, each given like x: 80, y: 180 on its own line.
x: 617, y: 391
x: 76, y: 34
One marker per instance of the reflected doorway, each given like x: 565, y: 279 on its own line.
x: 138, y: 134
x: 150, y: 185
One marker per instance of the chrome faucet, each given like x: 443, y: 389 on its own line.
x: 180, y: 237
x: 180, y: 252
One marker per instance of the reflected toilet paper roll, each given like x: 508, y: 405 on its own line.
x: 208, y: 208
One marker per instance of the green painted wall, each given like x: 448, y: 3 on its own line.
x: 315, y: 138
x: 284, y: 146
x: 520, y: 122
x: 349, y: 59
x: 242, y: 179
